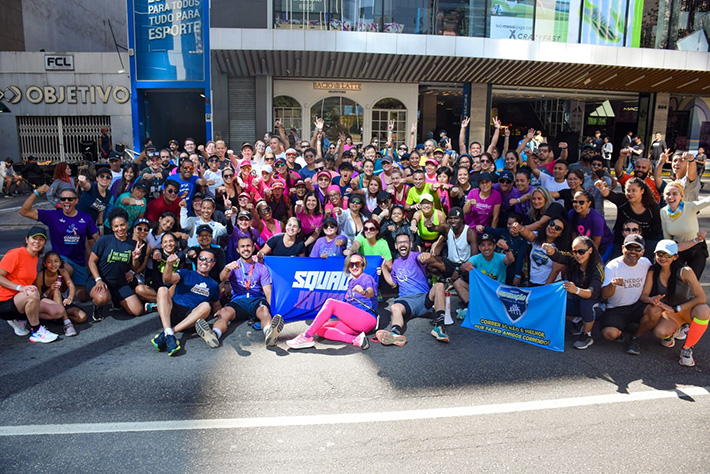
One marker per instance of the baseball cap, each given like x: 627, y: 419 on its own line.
x: 141, y: 220
x: 346, y: 165
x: 204, y: 228
x: 587, y: 146
x: 433, y: 161
x: 668, y: 246
x: 280, y: 159
x: 486, y: 236
x: 114, y: 156
x: 173, y: 141
x: 426, y: 197
x: 485, y: 176
x: 387, y: 159
x: 245, y: 163
x: 278, y: 184
x: 439, y: 150
x: 247, y: 145
x: 634, y: 239
x: 383, y: 196
x: 456, y: 212
x: 246, y: 214
x: 323, y: 173
x: 141, y: 185
x: 330, y: 220
x: 37, y: 231
x: 244, y: 194
x: 291, y: 151
x: 267, y: 168
x: 506, y: 174
x: 299, y: 182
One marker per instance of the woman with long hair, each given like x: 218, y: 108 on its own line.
x: 583, y: 274
x: 462, y: 186
x: 310, y: 213
x: 351, y: 220
x: 264, y: 220
x: 589, y: 222
x: 229, y: 191
x: 62, y: 181
x: 374, y: 186
x: 368, y: 173
x: 370, y: 243
x: 543, y: 269
x: 128, y: 179
x: 542, y: 208
x: 356, y: 316
x: 55, y: 283
x: 288, y: 244
x: 398, y: 188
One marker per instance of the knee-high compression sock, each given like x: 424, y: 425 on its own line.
x: 440, y: 316
x: 697, y: 328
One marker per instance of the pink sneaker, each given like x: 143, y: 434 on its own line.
x: 361, y: 341
x: 301, y: 342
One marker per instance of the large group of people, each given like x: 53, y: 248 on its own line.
x: 184, y: 233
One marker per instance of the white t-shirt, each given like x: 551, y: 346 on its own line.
x: 215, y: 176
x: 634, y: 279
x: 540, y: 265
x: 551, y: 185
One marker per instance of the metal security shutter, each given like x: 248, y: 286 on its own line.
x: 242, y: 111
x: 52, y: 138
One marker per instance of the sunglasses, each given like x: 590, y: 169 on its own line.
x: 597, y: 165
x: 504, y: 181
x: 663, y: 255
x: 280, y: 164
x: 580, y: 251
x: 205, y: 259
x: 330, y: 226
x: 243, y: 219
x: 291, y: 154
x: 402, y: 148
x: 634, y: 248
x: 356, y: 202
x: 228, y: 176
x: 188, y: 168
x: 579, y: 202
x: 320, y: 169
x: 632, y: 230
x: 171, y: 191
x: 269, y: 159
x: 355, y: 264
x: 266, y: 210
x: 555, y: 226
x: 213, y: 160
x: 369, y: 229
x: 66, y: 199
x: 142, y: 229
x: 485, y: 161
x: 105, y: 176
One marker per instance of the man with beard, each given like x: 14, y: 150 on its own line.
x: 187, y: 181
x: 166, y: 161
x: 251, y: 293
x: 642, y: 170
x: 415, y: 297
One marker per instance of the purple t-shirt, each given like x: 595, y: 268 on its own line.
x: 591, y: 226
x: 513, y: 194
x: 68, y: 234
x: 254, y: 276
x: 482, y: 212
x: 409, y: 274
x: 329, y: 249
x: 365, y: 281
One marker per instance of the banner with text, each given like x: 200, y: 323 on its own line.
x: 302, y: 284
x: 533, y: 315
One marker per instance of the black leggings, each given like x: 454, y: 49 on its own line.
x: 695, y: 257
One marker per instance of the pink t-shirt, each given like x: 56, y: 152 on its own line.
x: 482, y: 212
x: 309, y: 223
x: 266, y: 235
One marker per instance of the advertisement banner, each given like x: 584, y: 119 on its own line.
x: 514, y: 20
x: 169, y: 39
x: 532, y: 315
x: 603, y: 22
x: 302, y: 284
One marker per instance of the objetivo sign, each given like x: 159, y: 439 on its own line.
x: 169, y: 40
x: 69, y: 94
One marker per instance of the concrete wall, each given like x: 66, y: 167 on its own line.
x: 478, y: 127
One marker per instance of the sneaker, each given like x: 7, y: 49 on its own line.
x: 300, y: 342
x: 205, y: 332
x: 159, y: 341
x: 461, y: 313
x: 150, y: 307
x: 682, y: 332
x: 69, y: 330
x: 171, y: 344
x: 620, y: 339
x: 439, y: 332
x: 43, y: 336
x: 19, y: 327
x: 668, y: 342
x: 361, y: 341
x: 686, y: 357
x: 272, y: 334
x: 583, y: 341
x: 100, y: 313
x: 577, y: 328
x: 633, y: 348
x: 387, y: 338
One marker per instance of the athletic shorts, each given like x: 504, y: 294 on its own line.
x: 81, y: 273
x: 621, y: 317
x: 178, y: 313
x: 9, y: 311
x: 415, y: 305
x: 118, y: 293
x: 245, y: 308
x: 449, y: 267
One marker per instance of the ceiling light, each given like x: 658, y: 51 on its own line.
x: 662, y: 81
x: 635, y: 80
x: 608, y: 79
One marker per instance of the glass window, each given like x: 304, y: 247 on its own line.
x: 288, y: 111
x: 341, y: 115
x: 383, y: 112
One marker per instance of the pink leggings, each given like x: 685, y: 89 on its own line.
x: 351, y: 321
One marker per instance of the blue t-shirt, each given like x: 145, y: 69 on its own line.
x: 495, y: 268
x: 68, y: 234
x: 187, y: 187
x: 93, y: 203
x: 409, y: 274
x: 193, y: 289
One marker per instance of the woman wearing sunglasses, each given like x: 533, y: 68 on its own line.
x: 583, y: 274
x: 331, y: 244
x: 229, y: 191
x: 679, y: 219
x: 589, y: 222
x: 264, y: 220
x: 544, y: 270
x: 351, y: 220
x: 674, y: 296
x: 357, y: 315
x: 370, y: 243
x: 136, y: 278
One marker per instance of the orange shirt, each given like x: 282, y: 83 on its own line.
x: 21, y: 269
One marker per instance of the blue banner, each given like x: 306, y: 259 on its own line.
x: 533, y: 315
x: 302, y: 284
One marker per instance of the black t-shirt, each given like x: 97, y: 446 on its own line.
x: 556, y: 211
x: 278, y: 249
x: 156, y: 277
x: 114, y: 259
x: 93, y: 203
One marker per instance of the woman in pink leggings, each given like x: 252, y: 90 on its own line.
x: 356, y: 315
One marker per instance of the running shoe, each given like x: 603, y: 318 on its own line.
x: 668, y: 341
x: 171, y: 344
x: 205, y: 332
x: 301, y: 342
x: 100, y: 313
x: 577, y: 328
x: 682, y: 332
x: 159, y: 341
x: 387, y: 338
x: 686, y: 357
x: 272, y: 334
x: 19, y: 327
x: 150, y: 307
x: 69, y: 330
x: 439, y: 332
x: 43, y: 336
x: 583, y: 341
x: 633, y: 348
x: 361, y: 341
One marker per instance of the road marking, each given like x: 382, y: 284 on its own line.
x: 350, y: 418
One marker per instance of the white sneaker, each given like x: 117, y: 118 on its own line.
x: 682, y: 332
x: 43, y: 336
x: 19, y: 327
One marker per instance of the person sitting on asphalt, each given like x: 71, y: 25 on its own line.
x: 624, y: 279
x: 20, y: 300
x: 415, y: 297
x: 251, y: 292
x: 425, y: 221
x: 674, y: 298
x: 55, y: 283
x: 192, y: 297
x: 70, y: 232
x: 460, y: 241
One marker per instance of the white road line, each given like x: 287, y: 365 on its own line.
x: 349, y: 418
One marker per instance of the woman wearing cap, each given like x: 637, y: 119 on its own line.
x: 280, y: 205
x: 62, y: 181
x: 136, y: 278
x: 128, y: 178
x: 310, y: 213
x: 679, y: 220
x: 288, y: 244
x: 245, y: 178
x: 483, y: 203
x: 542, y: 269
x: 508, y: 192
x: 356, y: 316
x: 284, y: 173
x: 133, y: 202
x: 243, y: 228
x: 331, y: 244
x: 19, y: 297
x: 323, y: 180
x: 583, y: 273
x: 351, y: 220
x: 425, y: 220
x: 674, y: 295
x: 264, y: 220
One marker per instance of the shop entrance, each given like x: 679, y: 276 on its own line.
x: 440, y: 108
x: 174, y: 115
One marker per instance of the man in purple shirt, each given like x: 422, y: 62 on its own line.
x: 71, y: 232
x: 415, y: 297
x: 251, y: 293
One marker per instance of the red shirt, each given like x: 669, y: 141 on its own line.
x: 158, y: 206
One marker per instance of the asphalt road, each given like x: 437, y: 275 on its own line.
x: 106, y: 401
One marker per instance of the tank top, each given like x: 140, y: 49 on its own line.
x: 683, y: 292
x: 459, y: 248
x: 423, y: 232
